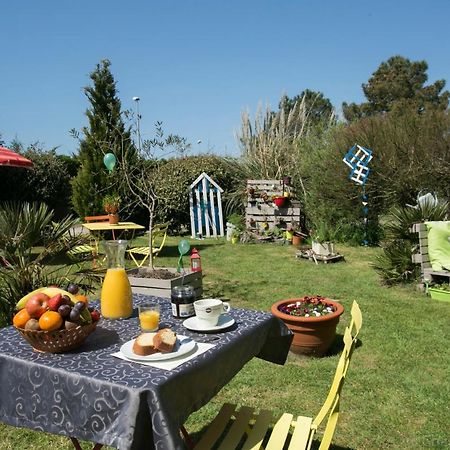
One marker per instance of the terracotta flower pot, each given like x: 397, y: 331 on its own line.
x: 113, y: 219
x: 296, y: 240
x: 312, y: 335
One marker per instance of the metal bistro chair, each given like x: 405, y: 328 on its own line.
x: 159, y: 236
x: 89, y: 250
x: 253, y: 427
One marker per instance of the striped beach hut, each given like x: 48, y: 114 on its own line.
x: 205, y: 206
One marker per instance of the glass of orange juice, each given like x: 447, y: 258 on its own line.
x: 149, y: 316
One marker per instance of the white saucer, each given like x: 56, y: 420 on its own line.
x: 183, y: 345
x: 193, y: 324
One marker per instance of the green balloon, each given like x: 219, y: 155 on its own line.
x: 109, y: 160
x: 183, y: 246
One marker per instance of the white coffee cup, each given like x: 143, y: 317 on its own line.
x: 209, y: 310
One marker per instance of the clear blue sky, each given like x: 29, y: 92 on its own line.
x: 196, y: 65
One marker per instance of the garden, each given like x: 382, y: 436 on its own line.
x: 396, y: 393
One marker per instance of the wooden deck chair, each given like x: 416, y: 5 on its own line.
x: 231, y: 426
x: 159, y: 236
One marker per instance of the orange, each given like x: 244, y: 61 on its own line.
x: 21, y: 318
x: 82, y: 298
x: 50, y: 320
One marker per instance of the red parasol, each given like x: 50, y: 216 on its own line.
x: 13, y: 159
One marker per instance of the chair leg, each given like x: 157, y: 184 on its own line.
x: 77, y: 445
x: 187, y: 438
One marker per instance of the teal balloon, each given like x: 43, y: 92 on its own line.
x: 109, y: 160
x: 183, y: 246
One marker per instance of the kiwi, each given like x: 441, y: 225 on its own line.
x: 32, y: 325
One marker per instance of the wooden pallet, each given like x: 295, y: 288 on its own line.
x: 309, y: 254
x: 260, y: 213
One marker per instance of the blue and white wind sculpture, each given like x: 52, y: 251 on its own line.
x: 358, y: 159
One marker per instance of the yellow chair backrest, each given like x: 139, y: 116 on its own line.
x: 159, y: 236
x: 330, y: 407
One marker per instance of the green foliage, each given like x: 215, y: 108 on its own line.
x: 325, y: 232
x: 31, y: 244
x: 395, y: 264
x: 319, y: 109
x: 270, y: 145
x: 396, y: 85
x: 238, y: 220
x: 174, y: 179
x: 411, y: 153
x: 111, y: 203
x: 106, y: 134
x: 48, y: 181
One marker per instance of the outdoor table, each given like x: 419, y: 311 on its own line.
x: 91, y: 395
x: 106, y: 226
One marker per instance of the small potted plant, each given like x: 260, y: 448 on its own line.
x: 312, y: 319
x: 235, y: 226
x: 279, y: 200
x: 295, y: 233
x: 322, y: 236
x: 111, y: 204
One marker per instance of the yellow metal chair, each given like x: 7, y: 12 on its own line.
x: 159, y: 236
x: 288, y: 432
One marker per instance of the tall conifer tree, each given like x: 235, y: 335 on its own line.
x: 106, y: 133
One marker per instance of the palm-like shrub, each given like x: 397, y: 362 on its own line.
x: 395, y: 263
x: 32, y: 249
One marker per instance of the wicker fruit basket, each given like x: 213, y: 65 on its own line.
x: 58, y: 341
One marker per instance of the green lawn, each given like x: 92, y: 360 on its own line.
x: 397, y: 394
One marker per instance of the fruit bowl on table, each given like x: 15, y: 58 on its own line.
x: 58, y: 341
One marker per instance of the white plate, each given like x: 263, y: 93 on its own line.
x: 183, y: 345
x: 193, y: 324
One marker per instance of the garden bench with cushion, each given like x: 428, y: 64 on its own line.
x: 433, y: 251
x: 159, y: 235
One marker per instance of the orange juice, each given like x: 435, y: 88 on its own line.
x: 149, y: 320
x: 116, y: 301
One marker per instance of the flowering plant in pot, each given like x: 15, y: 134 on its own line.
x: 111, y: 204
x: 312, y: 319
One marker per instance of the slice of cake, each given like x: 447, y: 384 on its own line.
x: 165, y: 340
x: 144, y: 344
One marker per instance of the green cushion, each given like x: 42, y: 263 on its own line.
x: 439, y: 245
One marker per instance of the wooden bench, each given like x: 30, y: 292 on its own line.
x: 422, y: 257
x: 104, y: 218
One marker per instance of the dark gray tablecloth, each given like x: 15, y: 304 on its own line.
x: 91, y: 395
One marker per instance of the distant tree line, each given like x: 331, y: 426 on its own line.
x: 404, y: 120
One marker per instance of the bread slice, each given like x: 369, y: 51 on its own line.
x: 144, y: 344
x: 165, y: 340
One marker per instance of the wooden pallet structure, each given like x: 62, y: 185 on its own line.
x: 312, y: 256
x: 261, y: 213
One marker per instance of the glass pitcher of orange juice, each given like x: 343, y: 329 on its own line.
x: 116, y: 301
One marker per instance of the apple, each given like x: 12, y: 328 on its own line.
x: 37, y: 305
